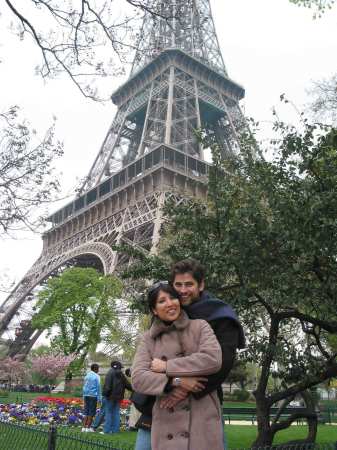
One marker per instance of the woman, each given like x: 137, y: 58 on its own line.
x: 177, y: 347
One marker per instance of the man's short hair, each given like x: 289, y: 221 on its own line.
x: 190, y: 266
x: 94, y: 367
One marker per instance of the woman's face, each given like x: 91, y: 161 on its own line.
x: 167, y: 308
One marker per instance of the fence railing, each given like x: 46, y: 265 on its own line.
x: 15, y: 436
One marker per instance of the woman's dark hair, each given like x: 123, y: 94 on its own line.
x: 152, y: 293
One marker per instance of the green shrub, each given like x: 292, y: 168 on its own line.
x: 4, y: 393
x: 77, y: 391
x: 241, y: 395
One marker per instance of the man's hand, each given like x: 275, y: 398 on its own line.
x: 176, y: 395
x: 158, y: 365
x: 192, y: 384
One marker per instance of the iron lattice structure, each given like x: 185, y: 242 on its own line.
x: 178, y: 83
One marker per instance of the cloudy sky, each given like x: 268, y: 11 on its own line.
x: 269, y: 46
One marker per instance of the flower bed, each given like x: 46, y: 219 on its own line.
x: 43, y: 411
x: 46, y: 410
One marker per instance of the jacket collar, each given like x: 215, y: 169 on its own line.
x: 158, y: 327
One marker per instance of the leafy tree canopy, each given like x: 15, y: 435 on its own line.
x: 80, y: 305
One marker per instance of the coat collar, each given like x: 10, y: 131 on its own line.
x: 158, y: 327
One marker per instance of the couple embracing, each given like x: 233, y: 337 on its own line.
x: 182, y: 360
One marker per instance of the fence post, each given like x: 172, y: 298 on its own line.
x: 52, y: 433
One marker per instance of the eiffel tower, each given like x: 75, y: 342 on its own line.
x: 178, y: 83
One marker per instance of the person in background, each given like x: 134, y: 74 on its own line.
x: 113, y: 391
x: 91, y: 395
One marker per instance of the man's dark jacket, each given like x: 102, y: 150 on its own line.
x: 228, y: 331
x: 108, y: 383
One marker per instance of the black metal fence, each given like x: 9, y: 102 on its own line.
x: 15, y: 436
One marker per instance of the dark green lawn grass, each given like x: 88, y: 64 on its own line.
x: 238, y: 436
x: 23, y: 397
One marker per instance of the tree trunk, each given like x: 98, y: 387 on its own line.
x: 264, y: 433
x: 67, y: 382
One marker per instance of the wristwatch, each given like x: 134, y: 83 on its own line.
x: 176, y: 381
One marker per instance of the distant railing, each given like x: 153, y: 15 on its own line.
x: 325, y: 415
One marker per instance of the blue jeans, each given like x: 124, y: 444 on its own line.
x: 99, y: 419
x: 112, y: 417
x: 225, y: 444
x: 143, y: 441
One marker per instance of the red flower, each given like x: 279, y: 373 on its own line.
x: 124, y: 403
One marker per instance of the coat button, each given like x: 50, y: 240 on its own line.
x: 170, y: 436
x: 185, y: 434
x: 164, y: 358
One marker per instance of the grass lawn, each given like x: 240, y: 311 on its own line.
x: 239, y: 436
x: 24, y: 397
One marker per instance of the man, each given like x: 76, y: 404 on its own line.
x: 91, y: 395
x: 113, y: 391
x: 188, y: 278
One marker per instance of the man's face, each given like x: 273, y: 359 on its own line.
x: 188, y: 288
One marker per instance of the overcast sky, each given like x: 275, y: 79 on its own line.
x: 270, y: 47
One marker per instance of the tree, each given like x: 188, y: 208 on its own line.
x: 320, y: 5
x: 85, y: 40
x: 49, y: 367
x: 26, y: 173
x: 121, y: 335
x: 324, y: 104
x: 268, y: 237
x: 12, y: 370
x: 79, y: 305
x: 238, y: 374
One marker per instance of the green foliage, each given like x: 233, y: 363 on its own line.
x: 80, y: 304
x: 241, y: 395
x: 240, y: 373
x: 77, y: 391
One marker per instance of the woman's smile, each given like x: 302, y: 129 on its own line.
x: 167, y: 308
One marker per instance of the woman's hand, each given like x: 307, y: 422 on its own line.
x: 158, y: 365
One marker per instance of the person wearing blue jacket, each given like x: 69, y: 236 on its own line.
x: 91, y: 395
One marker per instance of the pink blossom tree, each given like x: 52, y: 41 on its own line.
x: 49, y: 367
x: 12, y: 370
